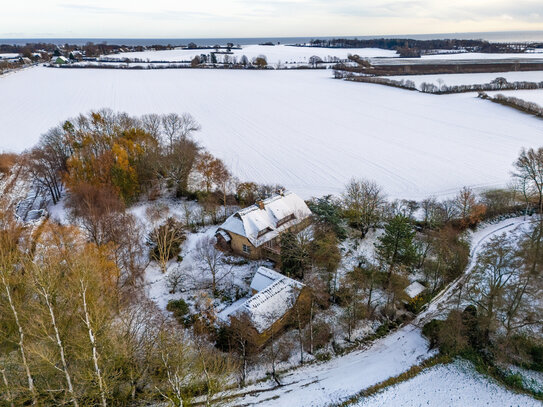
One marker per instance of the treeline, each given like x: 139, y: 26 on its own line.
x: 516, y: 103
x: 72, y: 333
x: 407, y: 45
x: 90, y: 49
x: 443, y: 89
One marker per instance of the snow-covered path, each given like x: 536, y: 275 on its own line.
x: 333, y: 381
x: 342, y: 377
x: 444, y: 301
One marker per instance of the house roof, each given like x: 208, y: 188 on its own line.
x: 261, y: 225
x: 273, y: 301
x: 414, y: 289
x: 264, y: 277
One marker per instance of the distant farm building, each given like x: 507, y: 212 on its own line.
x: 269, y: 309
x: 59, y: 60
x: 254, y: 231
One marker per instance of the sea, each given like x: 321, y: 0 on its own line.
x: 495, y: 36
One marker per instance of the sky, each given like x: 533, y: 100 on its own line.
x: 261, y: 18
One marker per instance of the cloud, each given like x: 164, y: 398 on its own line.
x: 249, y: 18
x: 158, y: 14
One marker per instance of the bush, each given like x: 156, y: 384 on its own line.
x: 514, y: 380
x: 431, y: 331
x: 323, y: 356
x: 416, y: 303
x: 179, y: 308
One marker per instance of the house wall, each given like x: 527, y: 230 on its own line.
x: 237, y: 243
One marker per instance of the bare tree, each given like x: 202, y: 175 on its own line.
x: 166, y: 241
x: 207, y: 252
x: 178, y: 127
x: 363, y: 203
x: 529, y: 168
x: 495, y: 268
x: 152, y: 124
x: 46, y: 287
x: 469, y: 209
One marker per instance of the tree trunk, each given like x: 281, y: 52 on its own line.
x: 92, y: 340
x: 6, y: 384
x: 21, y: 339
x: 60, y: 345
x: 311, y: 326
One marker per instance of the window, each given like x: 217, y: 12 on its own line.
x: 286, y: 219
x: 246, y: 249
x: 263, y: 232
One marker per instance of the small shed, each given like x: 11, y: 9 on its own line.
x: 414, y: 289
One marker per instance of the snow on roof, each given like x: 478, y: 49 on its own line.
x: 225, y: 235
x: 272, y: 303
x: 264, y: 277
x: 262, y: 225
x: 414, y: 289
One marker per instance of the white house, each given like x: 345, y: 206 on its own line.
x: 253, y: 231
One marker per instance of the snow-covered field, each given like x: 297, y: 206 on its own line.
x: 9, y: 56
x: 274, y: 54
x: 471, y: 78
x: 301, y: 129
x: 463, y: 57
x: 480, y: 55
x: 453, y: 385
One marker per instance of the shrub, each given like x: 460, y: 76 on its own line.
x: 416, y: 303
x: 323, y: 356
x: 179, y: 308
x: 514, y: 380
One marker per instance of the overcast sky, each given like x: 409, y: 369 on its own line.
x: 262, y: 18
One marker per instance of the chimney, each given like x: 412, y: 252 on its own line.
x: 260, y: 203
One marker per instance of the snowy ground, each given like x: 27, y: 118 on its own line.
x: 471, y: 78
x: 334, y: 381
x: 301, y: 129
x: 463, y: 57
x: 453, y: 385
x: 479, y: 55
x: 274, y: 54
x: 232, y: 280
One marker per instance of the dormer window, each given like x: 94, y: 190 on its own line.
x: 262, y: 232
x: 286, y: 219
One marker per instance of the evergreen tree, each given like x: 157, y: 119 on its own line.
x: 396, y: 247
